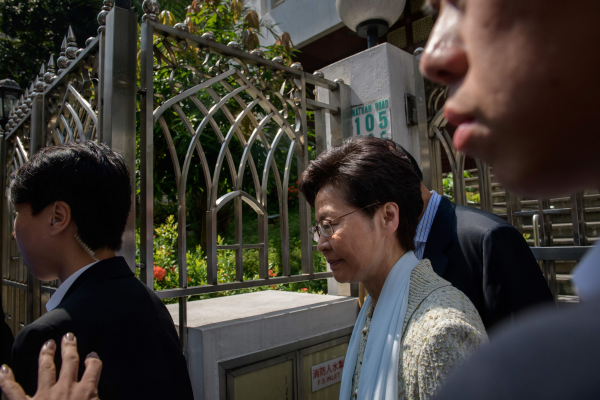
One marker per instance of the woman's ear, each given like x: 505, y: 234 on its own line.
x: 60, y: 218
x: 390, y: 216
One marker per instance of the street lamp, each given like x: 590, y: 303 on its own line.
x: 370, y: 19
x: 9, y: 96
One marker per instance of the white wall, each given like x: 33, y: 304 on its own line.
x: 305, y: 20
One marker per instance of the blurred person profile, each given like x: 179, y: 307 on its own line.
x: 510, y: 74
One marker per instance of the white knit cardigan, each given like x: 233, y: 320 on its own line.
x: 441, y: 329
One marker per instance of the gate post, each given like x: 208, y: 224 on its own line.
x: 5, y: 237
x: 119, y: 91
x: 36, y: 141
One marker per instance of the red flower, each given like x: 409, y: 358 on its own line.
x: 189, y: 279
x: 159, y: 273
x: 296, y: 182
x: 272, y: 273
x: 304, y: 289
x: 289, y: 198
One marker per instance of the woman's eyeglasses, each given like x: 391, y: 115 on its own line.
x: 324, y: 227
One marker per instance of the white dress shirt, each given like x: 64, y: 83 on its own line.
x: 425, y: 224
x: 587, y: 275
x: 64, y: 288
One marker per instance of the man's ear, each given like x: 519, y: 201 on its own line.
x: 60, y: 218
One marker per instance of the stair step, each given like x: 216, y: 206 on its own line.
x: 566, y: 241
x: 565, y: 302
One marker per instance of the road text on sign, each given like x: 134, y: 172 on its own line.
x: 327, y: 373
x: 372, y: 119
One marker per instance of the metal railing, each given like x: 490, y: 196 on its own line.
x: 269, y: 134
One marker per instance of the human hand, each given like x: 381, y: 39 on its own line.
x: 67, y: 387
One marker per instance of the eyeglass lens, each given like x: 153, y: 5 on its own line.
x: 321, y: 227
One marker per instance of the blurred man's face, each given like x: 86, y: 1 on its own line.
x: 524, y: 88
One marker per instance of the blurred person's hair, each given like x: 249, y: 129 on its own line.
x: 91, y: 178
x: 368, y: 170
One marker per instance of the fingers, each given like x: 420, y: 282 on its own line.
x: 93, y: 367
x: 46, y: 368
x: 70, y: 359
x: 88, y: 387
x: 11, y: 389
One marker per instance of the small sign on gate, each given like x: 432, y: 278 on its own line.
x: 372, y: 119
x: 327, y: 373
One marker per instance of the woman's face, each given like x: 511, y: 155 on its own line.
x: 358, y: 244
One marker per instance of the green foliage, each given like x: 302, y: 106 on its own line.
x: 31, y: 30
x: 167, y: 276
x: 448, y: 182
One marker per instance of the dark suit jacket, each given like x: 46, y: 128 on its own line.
x: 6, y: 339
x: 487, y: 259
x: 543, y: 355
x: 114, y: 314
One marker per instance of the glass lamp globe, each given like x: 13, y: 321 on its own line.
x: 370, y: 18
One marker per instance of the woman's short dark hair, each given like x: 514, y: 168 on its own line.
x: 368, y: 170
x: 91, y: 178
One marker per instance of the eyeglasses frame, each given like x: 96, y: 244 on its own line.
x: 317, y: 227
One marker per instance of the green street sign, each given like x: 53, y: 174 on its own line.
x: 372, y: 119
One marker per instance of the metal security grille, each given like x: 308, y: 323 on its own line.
x: 258, y: 144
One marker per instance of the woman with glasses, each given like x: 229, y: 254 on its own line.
x: 414, y: 327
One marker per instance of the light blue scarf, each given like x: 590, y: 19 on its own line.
x: 379, y: 372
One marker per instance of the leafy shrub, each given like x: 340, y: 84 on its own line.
x: 166, y: 273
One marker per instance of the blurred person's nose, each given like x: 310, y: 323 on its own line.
x: 444, y: 59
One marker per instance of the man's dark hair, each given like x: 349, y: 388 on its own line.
x: 368, y: 170
x: 413, y: 162
x: 91, y: 178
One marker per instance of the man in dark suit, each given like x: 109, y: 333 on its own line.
x: 508, y: 83
x: 72, y: 204
x: 481, y: 255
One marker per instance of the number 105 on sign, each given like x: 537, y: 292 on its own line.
x: 372, y: 119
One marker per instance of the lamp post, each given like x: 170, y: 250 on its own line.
x: 9, y: 96
x: 370, y: 19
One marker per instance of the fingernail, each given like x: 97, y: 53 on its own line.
x: 4, y: 370
x: 93, y: 354
x: 69, y: 337
x: 50, y: 345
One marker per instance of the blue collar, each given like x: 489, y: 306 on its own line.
x: 425, y: 223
